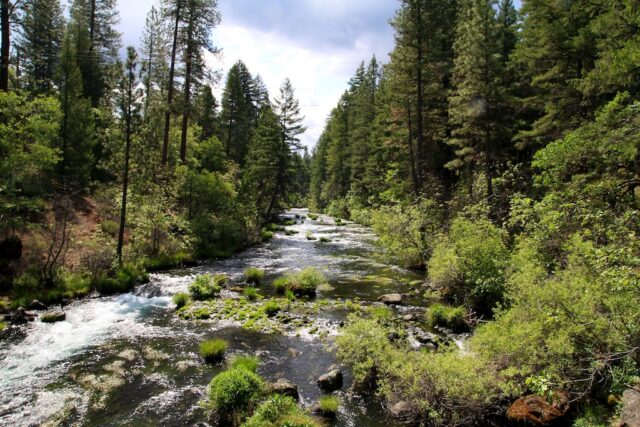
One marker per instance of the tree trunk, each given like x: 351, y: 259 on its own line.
x: 187, y: 90
x: 420, y: 148
x: 172, y: 72
x: 92, y: 35
x: 125, y: 175
x: 6, y: 40
x: 412, y: 161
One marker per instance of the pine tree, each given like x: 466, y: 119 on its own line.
x: 8, y: 17
x: 76, y: 130
x: 130, y: 110
x: 173, y: 10
x: 287, y: 108
x: 153, y: 68
x: 476, y: 89
x: 421, y: 66
x: 41, y: 41
x: 201, y: 16
x: 236, y: 114
x: 207, y: 113
x: 97, y: 56
x: 262, y: 173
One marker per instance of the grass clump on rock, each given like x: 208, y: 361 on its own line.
x: 213, y: 351
x: 447, y: 317
x: 248, y: 363
x: 207, y: 287
x: 180, y: 299
x: 310, y: 236
x: 300, y: 283
x: 271, y: 308
x: 266, y: 235
x: 328, y: 406
x: 251, y: 294
x: 253, y: 275
x: 278, y: 411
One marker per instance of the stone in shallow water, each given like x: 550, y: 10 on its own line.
x: 391, y: 299
x: 53, y: 316
x: 284, y: 387
x: 331, y: 381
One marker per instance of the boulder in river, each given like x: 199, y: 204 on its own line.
x: 391, y: 299
x: 37, y: 305
x: 149, y: 290
x: 53, y: 316
x: 284, y: 387
x: 402, y: 411
x: 21, y: 316
x: 409, y: 317
x: 537, y: 410
x: 293, y: 352
x: 630, y: 414
x: 331, y: 381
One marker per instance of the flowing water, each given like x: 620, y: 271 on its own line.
x: 130, y: 360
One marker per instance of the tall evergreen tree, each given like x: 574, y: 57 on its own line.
x: 41, y: 41
x: 76, y: 130
x: 236, y: 115
x: 96, y: 20
x: 201, y: 16
x: 129, y: 109
x: 172, y: 10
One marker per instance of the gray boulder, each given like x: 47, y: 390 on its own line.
x: 331, y: 381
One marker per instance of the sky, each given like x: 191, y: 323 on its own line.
x: 317, y: 44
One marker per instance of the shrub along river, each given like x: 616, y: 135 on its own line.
x: 131, y: 360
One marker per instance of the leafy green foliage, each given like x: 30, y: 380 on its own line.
x: 468, y: 264
x: 448, y: 317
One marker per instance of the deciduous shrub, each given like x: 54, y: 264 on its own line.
x: 468, y: 264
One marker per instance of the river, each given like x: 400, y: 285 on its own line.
x: 130, y: 360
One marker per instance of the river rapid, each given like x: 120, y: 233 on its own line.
x: 129, y: 360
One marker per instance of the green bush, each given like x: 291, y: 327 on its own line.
x: 447, y: 317
x: 271, y: 308
x: 254, y: 275
x: 234, y: 391
x: 302, y: 282
x: 288, y: 223
x: 206, y: 286
x: 166, y: 261
x: 251, y: 294
x: 313, y: 216
x: 329, y: 405
x: 180, y: 299
x: 110, y: 228
x: 213, y: 351
x: 446, y: 387
x: 265, y: 236
x: 407, y: 233
x: 280, y: 411
x: 249, y: 363
x: 3, y: 326
x: 468, y: 264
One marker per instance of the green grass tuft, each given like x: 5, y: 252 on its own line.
x: 248, y: 363
x: 254, y: 275
x: 251, y: 294
x: 329, y: 405
x: 213, y: 351
x: 180, y: 299
x: 447, y: 317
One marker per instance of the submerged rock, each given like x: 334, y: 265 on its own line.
x: 630, y: 414
x: 409, y: 318
x: 331, y: 381
x: 391, y: 299
x: 284, y: 387
x: 53, y: 316
x: 537, y: 410
x: 293, y: 352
